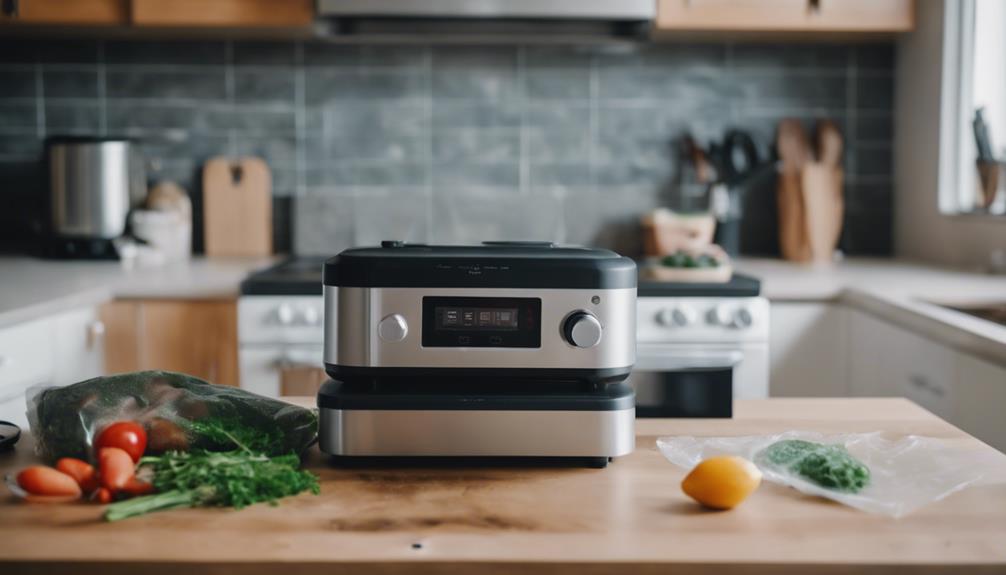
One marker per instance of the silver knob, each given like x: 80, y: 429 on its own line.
x: 676, y: 316
x: 582, y: 329
x: 719, y: 315
x: 284, y: 313
x: 742, y: 318
x: 393, y: 328
x: 310, y: 316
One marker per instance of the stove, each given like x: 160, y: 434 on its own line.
x: 698, y: 345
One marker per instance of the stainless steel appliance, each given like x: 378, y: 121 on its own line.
x: 699, y: 346
x: 93, y: 184
x: 499, y: 350
x: 500, y: 310
x: 481, y: 20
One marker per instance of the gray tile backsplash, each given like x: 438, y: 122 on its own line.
x: 452, y: 143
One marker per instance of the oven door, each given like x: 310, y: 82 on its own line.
x: 685, y: 381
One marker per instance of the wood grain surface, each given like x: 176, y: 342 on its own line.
x: 628, y: 518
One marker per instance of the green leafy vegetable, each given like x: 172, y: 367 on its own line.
x: 682, y: 259
x: 235, y: 478
x: 829, y: 466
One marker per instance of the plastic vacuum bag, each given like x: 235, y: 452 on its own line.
x: 178, y: 411
x: 905, y: 473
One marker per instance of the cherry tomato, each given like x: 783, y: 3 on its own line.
x: 102, y: 495
x: 128, y: 436
x: 115, y: 467
x: 81, y: 471
x: 42, y: 480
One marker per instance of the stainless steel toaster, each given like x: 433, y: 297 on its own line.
x: 514, y: 310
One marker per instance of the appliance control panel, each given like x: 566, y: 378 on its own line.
x: 481, y: 322
x: 694, y: 319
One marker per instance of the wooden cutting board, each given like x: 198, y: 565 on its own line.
x: 237, y: 207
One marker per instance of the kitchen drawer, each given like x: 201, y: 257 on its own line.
x: 26, y: 356
x: 847, y: 16
x: 925, y: 372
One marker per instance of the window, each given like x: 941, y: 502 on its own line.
x: 973, y: 141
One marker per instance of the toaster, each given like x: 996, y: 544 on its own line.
x: 501, y: 310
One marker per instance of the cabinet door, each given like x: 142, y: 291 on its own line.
x: 66, y: 12
x: 26, y: 360
x: 808, y: 350
x: 78, y: 339
x: 872, y: 369
x: 981, y: 400
x: 223, y: 13
x: 194, y: 337
x: 786, y: 15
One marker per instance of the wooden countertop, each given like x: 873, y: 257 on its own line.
x: 630, y: 517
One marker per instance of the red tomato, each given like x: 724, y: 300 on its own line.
x: 128, y: 436
x: 115, y: 468
x: 81, y: 471
x: 102, y: 495
x: 42, y: 480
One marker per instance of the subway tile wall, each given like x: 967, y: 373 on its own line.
x: 450, y: 143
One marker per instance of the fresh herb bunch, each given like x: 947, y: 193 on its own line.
x: 224, y: 433
x: 236, y: 478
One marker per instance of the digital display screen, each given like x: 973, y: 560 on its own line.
x: 481, y: 322
x: 477, y: 318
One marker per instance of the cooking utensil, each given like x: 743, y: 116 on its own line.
x: 237, y: 206
x: 822, y: 192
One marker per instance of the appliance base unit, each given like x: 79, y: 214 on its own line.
x: 360, y: 421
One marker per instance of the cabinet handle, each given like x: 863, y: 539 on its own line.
x: 920, y: 382
x: 95, y: 333
x: 10, y: 8
x: 814, y: 6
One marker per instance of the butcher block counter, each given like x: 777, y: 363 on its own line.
x: 628, y: 518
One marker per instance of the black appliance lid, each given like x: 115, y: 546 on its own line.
x: 492, y: 264
x: 740, y: 285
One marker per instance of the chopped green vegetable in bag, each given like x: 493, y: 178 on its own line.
x: 829, y: 466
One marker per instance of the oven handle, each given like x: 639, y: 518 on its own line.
x: 663, y: 359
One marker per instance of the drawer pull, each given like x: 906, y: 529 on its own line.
x: 920, y: 382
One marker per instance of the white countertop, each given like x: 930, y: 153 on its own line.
x: 31, y: 288
x: 901, y: 292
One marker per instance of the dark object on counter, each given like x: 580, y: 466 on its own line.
x: 179, y: 412
x: 9, y: 434
x: 983, y: 140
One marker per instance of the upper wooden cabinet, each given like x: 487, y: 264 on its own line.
x: 786, y: 16
x: 223, y: 13
x: 65, y: 12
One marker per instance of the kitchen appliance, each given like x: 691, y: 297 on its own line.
x: 511, y: 310
x: 699, y: 346
x: 499, y: 350
x: 513, y: 20
x: 93, y: 185
x: 677, y: 352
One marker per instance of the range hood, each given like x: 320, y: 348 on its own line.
x: 487, y: 20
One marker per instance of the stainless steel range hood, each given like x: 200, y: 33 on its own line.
x: 487, y: 20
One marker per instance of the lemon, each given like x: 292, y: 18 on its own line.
x: 722, y: 482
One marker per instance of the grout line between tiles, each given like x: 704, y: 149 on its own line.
x: 300, y: 119
x: 524, y: 182
x: 102, y: 91
x: 39, y: 102
x: 428, y: 159
x: 232, y: 146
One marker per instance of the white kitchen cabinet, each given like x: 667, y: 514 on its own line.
x: 809, y: 350
x: 53, y: 350
x: 981, y: 400
x: 889, y: 361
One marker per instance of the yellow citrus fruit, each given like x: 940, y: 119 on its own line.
x: 722, y: 482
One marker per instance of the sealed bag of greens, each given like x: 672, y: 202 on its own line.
x: 179, y: 413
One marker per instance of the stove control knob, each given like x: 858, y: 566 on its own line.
x: 719, y: 315
x: 742, y: 318
x: 676, y: 317
x: 582, y: 329
x: 393, y: 328
x: 284, y: 313
x: 311, y: 316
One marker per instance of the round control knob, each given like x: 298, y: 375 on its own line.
x: 719, y: 315
x: 676, y: 316
x: 284, y: 313
x: 742, y: 318
x: 310, y: 316
x: 393, y: 328
x: 582, y: 329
